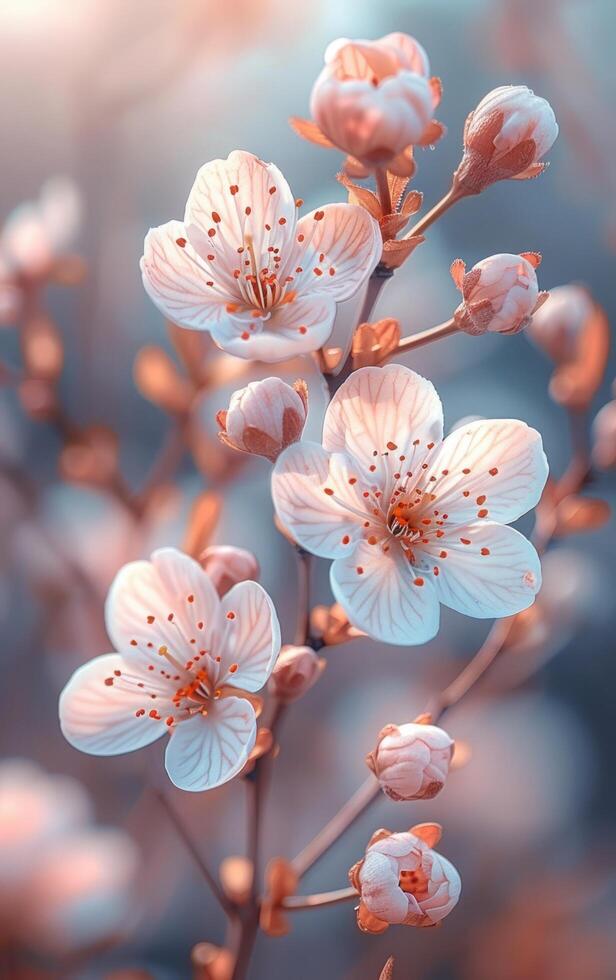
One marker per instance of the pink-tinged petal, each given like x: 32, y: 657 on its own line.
x: 208, y: 750
x: 383, y: 596
x: 100, y: 718
x: 338, y: 247
x: 318, y: 499
x: 490, y: 570
x: 234, y: 202
x: 250, y: 636
x: 492, y: 468
x: 168, y: 601
x: 380, y: 889
x: 378, y: 414
x: 290, y: 329
x: 176, y: 280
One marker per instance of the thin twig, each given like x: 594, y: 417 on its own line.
x: 182, y: 831
x: 452, y: 196
x: 425, y: 337
x: 304, y: 569
x: 296, y: 902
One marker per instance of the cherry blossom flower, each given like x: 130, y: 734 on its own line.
x: 411, y: 761
x: 411, y: 520
x: 402, y: 881
x: 265, y: 417
x: 499, y: 294
x: 374, y: 100
x: 506, y: 136
x: 64, y: 883
x: 243, y: 266
x: 188, y: 664
x: 557, y: 327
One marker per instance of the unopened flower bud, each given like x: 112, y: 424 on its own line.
x: 500, y: 293
x: 265, y: 417
x: 411, y: 761
x: 505, y: 137
x: 374, y: 99
x: 402, y: 881
x: 556, y: 328
x: 604, y: 437
x: 331, y: 624
x: 297, y: 670
x: 226, y: 566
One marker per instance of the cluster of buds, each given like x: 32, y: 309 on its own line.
x: 265, y: 417
x: 401, y: 880
x: 505, y: 137
x: 374, y: 100
x: 500, y: 294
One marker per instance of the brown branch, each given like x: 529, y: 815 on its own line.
x: 296, y: 902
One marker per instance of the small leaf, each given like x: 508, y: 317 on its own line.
x: 355, y: 168
x: 430, y: 833
x: 397, y: 187
x: 457, y: 270
x: 533, y: 257
x: 391, y: 224
x: 309, y: 130
x: 388, y: 970
x: 397, y: 252
x: 362, y: 196
x: 412, y: 202
x: 374, y: 342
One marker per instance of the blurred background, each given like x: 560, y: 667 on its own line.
x: 120, y: 104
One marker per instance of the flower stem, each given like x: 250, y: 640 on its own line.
x: 345, y: 818
x: 182, y: 831
x: 425, y: 337
x: 296, y: 902
x: 304, y: 569
x: 382, y: 189
x: 453, y: 195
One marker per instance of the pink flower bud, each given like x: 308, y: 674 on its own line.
x: 402, y: 881
x: 604, y: 437
x: 373, y: 99
x: 411, y: 761
x: 505, y: 137
x: 557, y: 326
x: 226, y: 566
x: 265, y: 417
x: 500, y: 293
x: 296, y: 670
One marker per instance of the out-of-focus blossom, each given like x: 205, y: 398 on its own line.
x: 212, y: 962
x: 63, y: 883
x: 265, y: 417
x: 556, y: 328
x: 500, y: 293
x: 243, y: 267
x: 374, y: 100
x: 189, y: 664
x: 604, y: 437
x: 297, y: 670
x: 506, y: 136
x: 228, y: 566
x: 403, y: 881
x: 409, y: 519
x: 411, y: 761
x: 331, y: 625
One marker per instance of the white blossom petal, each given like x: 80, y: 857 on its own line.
x: 494, y: 468
x: 383, y: 595
x: 490, y: 570
x: 378, y: 414
x: 288, y: 330
x: 250, y: 636
x: 208, y: 750
x: 167, y: 601
x: 236, y: 200
x: 100, y: 718
x: 326, y: 523
x: 176, y: 280
x: 338, y: 246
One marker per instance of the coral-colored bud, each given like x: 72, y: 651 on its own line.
x: 297, y: 670
x: 374, y: 99
x: 411, y: 761
x: 505, y: 137
x: 265, y: 417
x: 604, y: 437
x: 557, y: 326
x: 331, y: 624
x: 227, y: 566
x: 500, y: 293
x: 401, y: 880
x: 212, y: 962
